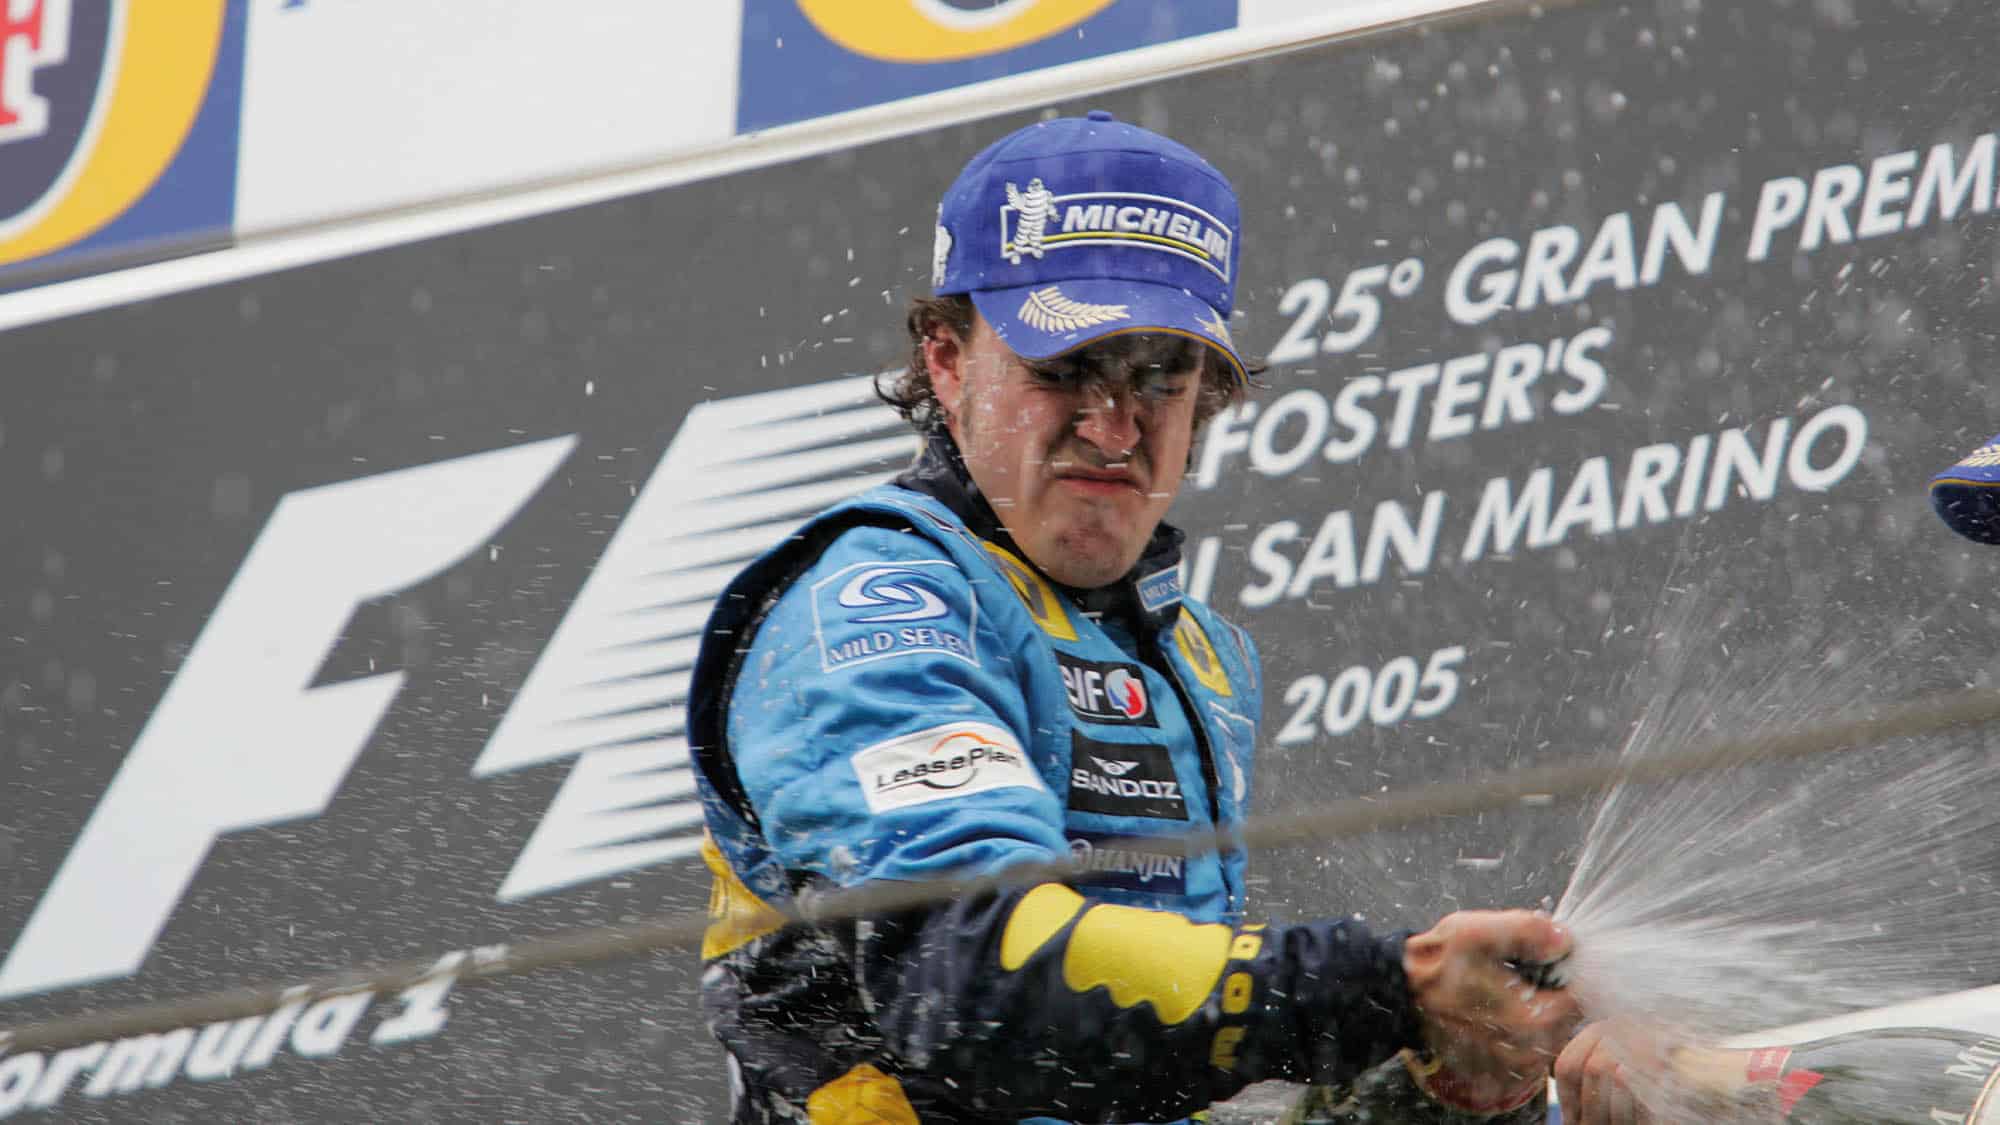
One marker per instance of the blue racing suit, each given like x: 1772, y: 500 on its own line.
x: 897, y: 693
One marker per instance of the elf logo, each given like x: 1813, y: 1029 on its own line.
x: 244, y: 737
x: 1107, y: 692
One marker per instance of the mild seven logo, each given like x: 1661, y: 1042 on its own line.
x: 899, y: 588
x: 894, y: 600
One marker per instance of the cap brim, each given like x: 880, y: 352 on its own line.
x: 1967, y: 495
x: 1046, y: 320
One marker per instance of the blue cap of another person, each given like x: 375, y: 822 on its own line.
x: 1079, y: 228
x: 1967, y: 495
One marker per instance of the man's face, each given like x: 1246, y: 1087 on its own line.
x: 1079, y: 456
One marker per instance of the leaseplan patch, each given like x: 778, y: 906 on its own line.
x: 952, y: 760
x: 879, y: 611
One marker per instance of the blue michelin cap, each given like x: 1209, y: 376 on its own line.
x: 1967, y: 495
x: 1079, y: 228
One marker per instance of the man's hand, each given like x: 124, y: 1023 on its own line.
x: 1595, y: 1076
x: 1490, y: 1034
x: 1623, y: 1072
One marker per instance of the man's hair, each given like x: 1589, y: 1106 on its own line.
x: 910, y: 392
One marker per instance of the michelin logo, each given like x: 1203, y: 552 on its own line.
x: 1036, y: 222
x: 1032, y: 209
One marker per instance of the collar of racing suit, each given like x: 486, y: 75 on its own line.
x: 940, y: 473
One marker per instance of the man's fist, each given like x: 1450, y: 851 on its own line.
x: 1490, y: 1034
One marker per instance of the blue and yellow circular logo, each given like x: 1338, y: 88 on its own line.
x: 920, y: 31
x: 803, y: 59
x: 97, y: 100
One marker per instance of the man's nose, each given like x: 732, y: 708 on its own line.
x: 1109, y: 420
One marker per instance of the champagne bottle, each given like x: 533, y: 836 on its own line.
x: 1887, y: 1076
x: 1392, y: 1094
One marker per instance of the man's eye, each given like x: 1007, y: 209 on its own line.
x: 1164, y: 387
x: 1053, y: 375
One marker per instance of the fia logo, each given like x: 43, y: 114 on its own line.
x: 33, y: 34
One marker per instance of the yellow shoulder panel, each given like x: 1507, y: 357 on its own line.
x: 1200, y: 655
x: 736, y: 916
x: 862, y: 1096
x: 1044, y: 604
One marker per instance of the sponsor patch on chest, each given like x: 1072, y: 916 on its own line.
x: 1124, y: 779
x: 1161, y: 872
x: 1107, y: 692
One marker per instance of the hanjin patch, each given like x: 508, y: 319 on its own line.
x: 1158, y: 873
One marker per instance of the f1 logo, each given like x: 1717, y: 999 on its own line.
x: 243, y: 737
x: 33, y: 34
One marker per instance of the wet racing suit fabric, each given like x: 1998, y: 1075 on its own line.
x: 894, y: 693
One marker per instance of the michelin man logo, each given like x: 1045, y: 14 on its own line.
x: 1035, y: 207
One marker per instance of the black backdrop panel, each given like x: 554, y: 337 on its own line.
x: 1522, y: 321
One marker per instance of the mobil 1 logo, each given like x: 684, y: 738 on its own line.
x: 1124, y: 779
x: 1107, y: 693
